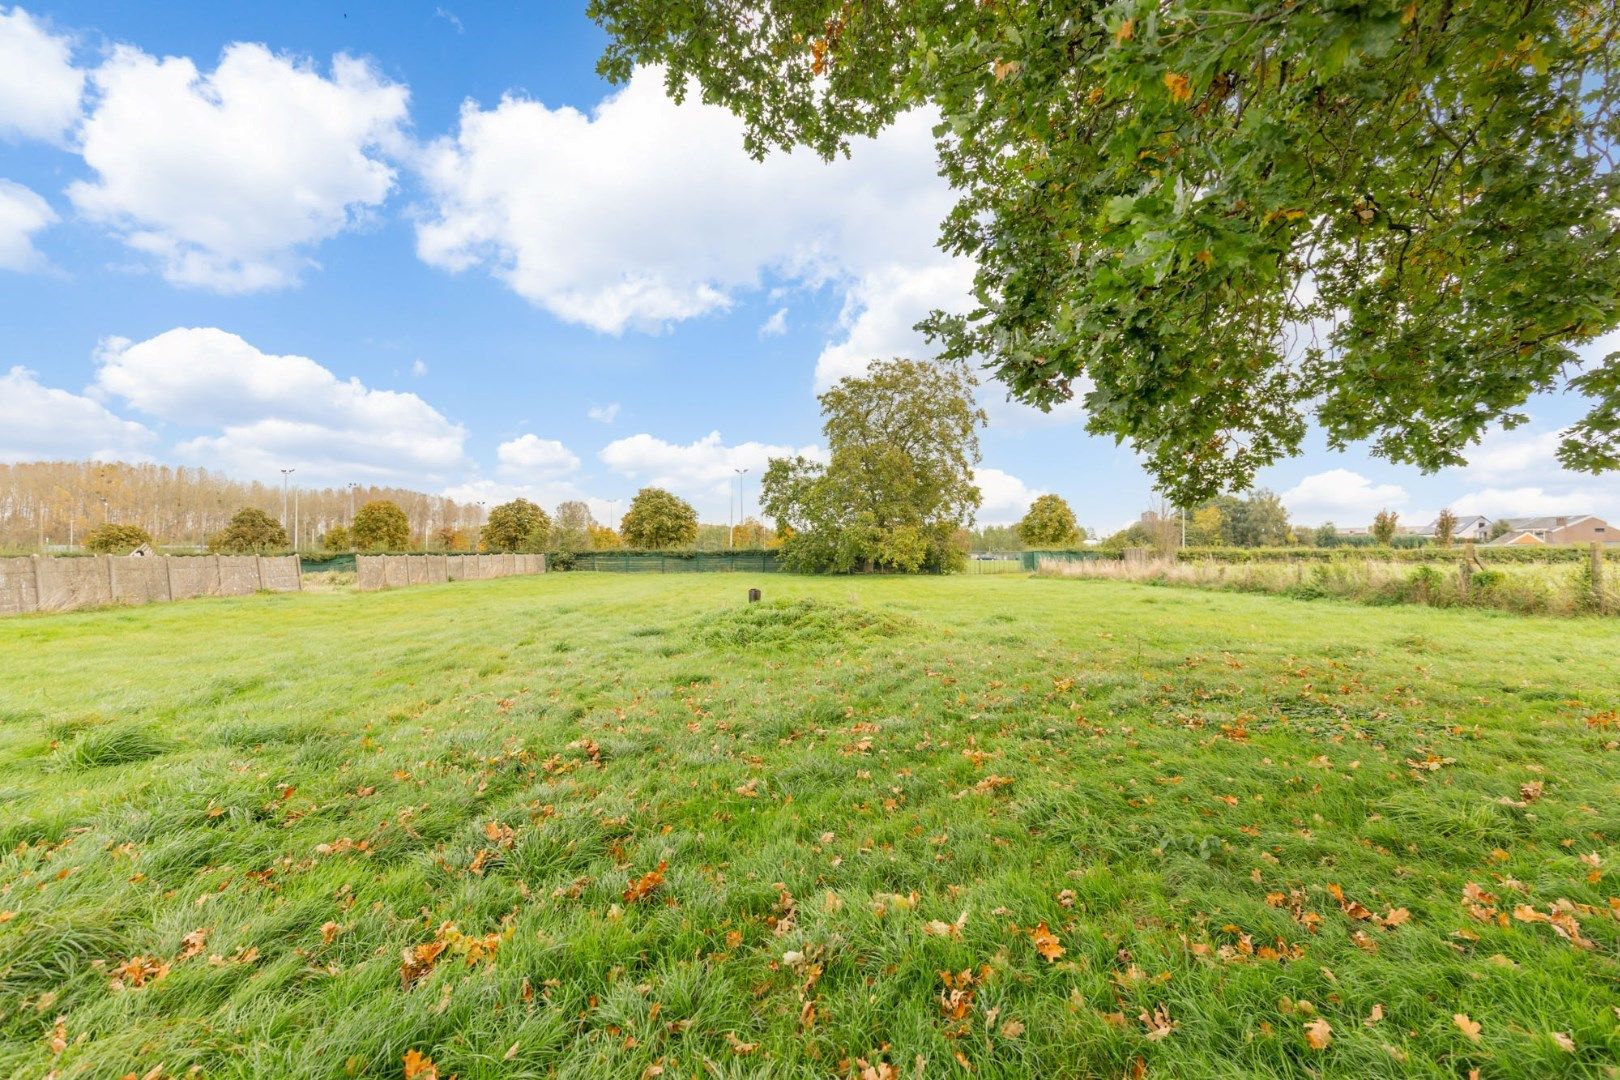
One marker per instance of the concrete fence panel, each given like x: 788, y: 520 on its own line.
x: 374, y: 572
x: 42, y: 583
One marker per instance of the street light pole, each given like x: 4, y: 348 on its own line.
x: 285, y: 473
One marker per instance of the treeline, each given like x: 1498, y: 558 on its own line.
x: 51, y: 504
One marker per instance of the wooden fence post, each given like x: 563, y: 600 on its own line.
x: 1597, y: 576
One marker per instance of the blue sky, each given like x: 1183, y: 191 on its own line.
x: 424, y: 244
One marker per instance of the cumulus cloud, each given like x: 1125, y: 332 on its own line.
x: 1004, y: 497
x: 644, y: 213
x: 22, y: 214
x: 603, y: 414
x: 39, y: 86
x: 278, y: 411
x: 226, y: 179
x: 534, y: 457
x: 702, y: 471
x: 882, y: 308
x: 40, y: 423
x: 1341, y: 496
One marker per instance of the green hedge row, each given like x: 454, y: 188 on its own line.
x: 1569, y: 553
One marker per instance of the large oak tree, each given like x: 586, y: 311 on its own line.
x: 1217, y: 219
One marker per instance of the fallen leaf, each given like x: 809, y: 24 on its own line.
x: 1046, y: 942
x: 419, y: 1067
x: 642, y: 887
x: 1468, y: 1027
x: 738, y: 1046
x: 1318, y: 1033
x: 1565, y: 1043
x: 1373, y: 1017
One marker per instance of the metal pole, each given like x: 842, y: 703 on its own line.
x: 295, y: 519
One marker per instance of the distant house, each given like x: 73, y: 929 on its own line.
x: 1576, y: 529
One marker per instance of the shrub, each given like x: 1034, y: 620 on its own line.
x: 336, y: 539
x: 115, y: 539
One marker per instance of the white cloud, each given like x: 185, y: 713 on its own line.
x: 702, y: 471
x: 1004, y: 497
x: 776, y: 325
x: 533, y: 457
x: 1341, y: 496
x: 39, y: 423
x: 419, y: 368
x: 226, y: 179
x: 603, y: 414
x: 881, y: 310
x: 278, y: 411
x: 645, y: 213
x: 1533, y: 500
x: 39, y: 86
x: 22, y: 214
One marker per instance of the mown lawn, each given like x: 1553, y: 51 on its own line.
x: 997, y: 826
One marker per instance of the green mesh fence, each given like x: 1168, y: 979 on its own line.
x: 627, y: 562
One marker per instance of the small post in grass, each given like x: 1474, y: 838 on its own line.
x: 1597, y: 576
x: 753, y: 596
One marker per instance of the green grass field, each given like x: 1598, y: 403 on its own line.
x: 991, y: 826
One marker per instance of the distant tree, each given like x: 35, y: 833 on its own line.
x: 1049, y: 523
x: 380, y: 526
x: 657, y: 519
x: 903, y: 440
x: 1204, y: 526
x: 511, y: 525
x: 336, y: 538
x: 1327, y: 534
x: 116, y: 539
x: 749, y: 533
x: 1445, y: 528
x: 571, y: 527
x: 1500, y: 527
x: 603, y: 538
x: 995, y: 538
x: 1260, y: 520
x: 250, y: 531
x: 1384, y: 527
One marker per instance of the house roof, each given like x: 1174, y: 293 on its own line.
x: 1533, y: 524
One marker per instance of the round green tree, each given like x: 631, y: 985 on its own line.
x: 518, y: 525
x: 380, y: 526
x: 1049, y: 524
x: 657, y: 519
x: 251, y: 531
x: 898, y: 485
x: 336, y: 539
x: 116, y: 539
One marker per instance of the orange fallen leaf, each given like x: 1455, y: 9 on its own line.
x: 642, y: 887
x: 1318, y: 1033
x: 1468, y: 1027
x: 1046, y: 942
x: 1373, y: 1017
x: 418, y: 1066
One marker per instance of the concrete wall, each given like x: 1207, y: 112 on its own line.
x: 41, y: 583
x: 389, y: 571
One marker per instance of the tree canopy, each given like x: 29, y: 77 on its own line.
x: 903, y: 440
x: 250, y: 531
x: 1216, y: 220
x: 657, y: 519
x: 1049, y: 523
x: 380, y: 526
x: 511, y: 524
x: 571, y: 527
